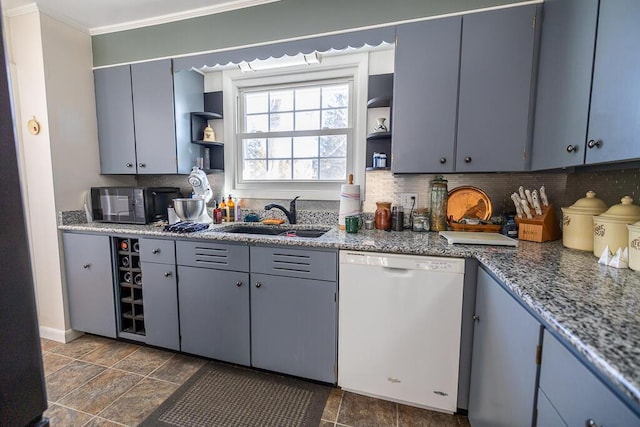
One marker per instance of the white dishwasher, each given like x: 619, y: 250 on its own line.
x: 399, y: 327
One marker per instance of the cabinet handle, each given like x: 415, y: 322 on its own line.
x: 258, y: 284
x: 129, y: 165
x: 467, y: 159
x: 590, y: 423
x: 238, y: 284
x: 155, y: 251
x: 86, y: 266
x: 593, y: 143
x: 476, y: 318
x: 167, y: 274
x: 572, y: 148
x: 443, y: 160
x: 142, y: 165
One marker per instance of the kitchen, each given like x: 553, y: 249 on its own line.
x: 75, y: 137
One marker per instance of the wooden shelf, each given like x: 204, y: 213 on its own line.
x: 209, y: 144
x: 378, y: 135
x: 379, y: 102
x: 207, y: 115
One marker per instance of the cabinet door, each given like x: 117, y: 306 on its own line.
x: 160, y: 299
x: 116, y: 137
x: 152, y: 84
x: 495, y: 90
x: 564, y: 83
x: 503, y: 366
x: 214, y: 313
x: 293, y: 326
x: 613, y: 119
x: 90, y: 283
x: 425, y: 96
x: 577, y: 394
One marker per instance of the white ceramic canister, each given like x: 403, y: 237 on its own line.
x: 634, y: 246
x: 577, y: 222
x: 610, y: 228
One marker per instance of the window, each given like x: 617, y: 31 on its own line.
x: 295, y: 132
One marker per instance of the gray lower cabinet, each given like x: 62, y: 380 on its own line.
x: 496, y: 90
x: 425, y: 92
x: 575, y: 395
x: 294, y: 311
x: 214, y: 313
x: 504, y: 368
x: 160, y: 296
x: 90, y: 288
x: 293, y: 326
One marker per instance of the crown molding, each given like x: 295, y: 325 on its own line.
x: 21, y: 10
x: 178, y: 16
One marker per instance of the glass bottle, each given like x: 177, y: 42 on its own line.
x: 217, y: 215
x: 231, y: 209
x: 223, y: 209
x: 382, y: 216
x: 439, y: 197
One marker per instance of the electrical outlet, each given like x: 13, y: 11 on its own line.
x: 407, y: 202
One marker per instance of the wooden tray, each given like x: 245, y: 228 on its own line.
x: 468, y: 202
x: 487, y: 228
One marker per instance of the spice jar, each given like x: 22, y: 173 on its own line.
x: 397, y: 218
x: 439, y: 196
x: 421, y: 220
x: 382, y: 216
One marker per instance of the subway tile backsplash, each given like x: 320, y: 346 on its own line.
x: 563, y: 188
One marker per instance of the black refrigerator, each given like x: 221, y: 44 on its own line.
x: 22, y: 389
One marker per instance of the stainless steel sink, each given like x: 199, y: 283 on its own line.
x: 269, y: 231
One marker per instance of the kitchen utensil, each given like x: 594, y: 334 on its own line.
x: 527, y: 193
x: 439, y: 204
x: 610, y: 228
x: 577, y: 222
x: 543, y: 196
x: 525, y: 208
x: 382, y: 216
x: 516, y: 201
x: 273, y: 221
x: 521, y: 193
x: 536, y: 202
x: 352, y: 223
x: 634, y: 246
x: 189, y: 209
x: 349, y: 201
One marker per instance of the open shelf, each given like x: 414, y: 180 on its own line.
x: 131, y: 306
x: 378, y: 135
x: 380, y: 95
x: 212, y: 150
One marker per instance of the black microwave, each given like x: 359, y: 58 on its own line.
x: 132, y: 205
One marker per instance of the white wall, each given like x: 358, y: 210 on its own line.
x: 51, y: 72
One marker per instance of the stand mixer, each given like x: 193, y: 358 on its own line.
x: 201, y: 189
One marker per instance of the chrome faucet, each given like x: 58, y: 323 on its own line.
x: 291, y: 213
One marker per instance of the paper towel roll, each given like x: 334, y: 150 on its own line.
x: 349, y: 202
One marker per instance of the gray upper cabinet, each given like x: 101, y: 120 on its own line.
x: 588, y: 86
x: 90, y: 289
x: 425, y: 96
x: 496, y: 88
x: 152, y: 86
x: 115, y: 120
x: 614, y: 127
x: 564, y: 83
x: 143, y: 118
x: 503, y: 366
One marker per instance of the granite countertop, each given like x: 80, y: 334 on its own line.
x: 595, y: 308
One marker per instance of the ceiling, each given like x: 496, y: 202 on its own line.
x: 102, y: 16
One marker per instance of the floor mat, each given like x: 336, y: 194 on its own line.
x: 220, y: 395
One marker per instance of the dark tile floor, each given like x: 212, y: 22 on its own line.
x: 99, y: 382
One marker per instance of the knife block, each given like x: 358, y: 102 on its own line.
x: 540, y: 228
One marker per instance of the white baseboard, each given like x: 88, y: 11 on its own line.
x: 59, y: 335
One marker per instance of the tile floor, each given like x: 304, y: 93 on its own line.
x: 99, y: 382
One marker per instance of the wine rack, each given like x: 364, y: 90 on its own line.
x: 131, y: 308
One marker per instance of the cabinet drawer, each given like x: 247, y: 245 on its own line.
x: 157, y: 250
x: 222, y: 256
x: 576, y: 393
x: 319, y: 265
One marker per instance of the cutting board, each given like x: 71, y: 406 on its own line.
x: 466, y: 238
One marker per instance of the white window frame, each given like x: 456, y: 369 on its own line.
x: 354, y: 67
